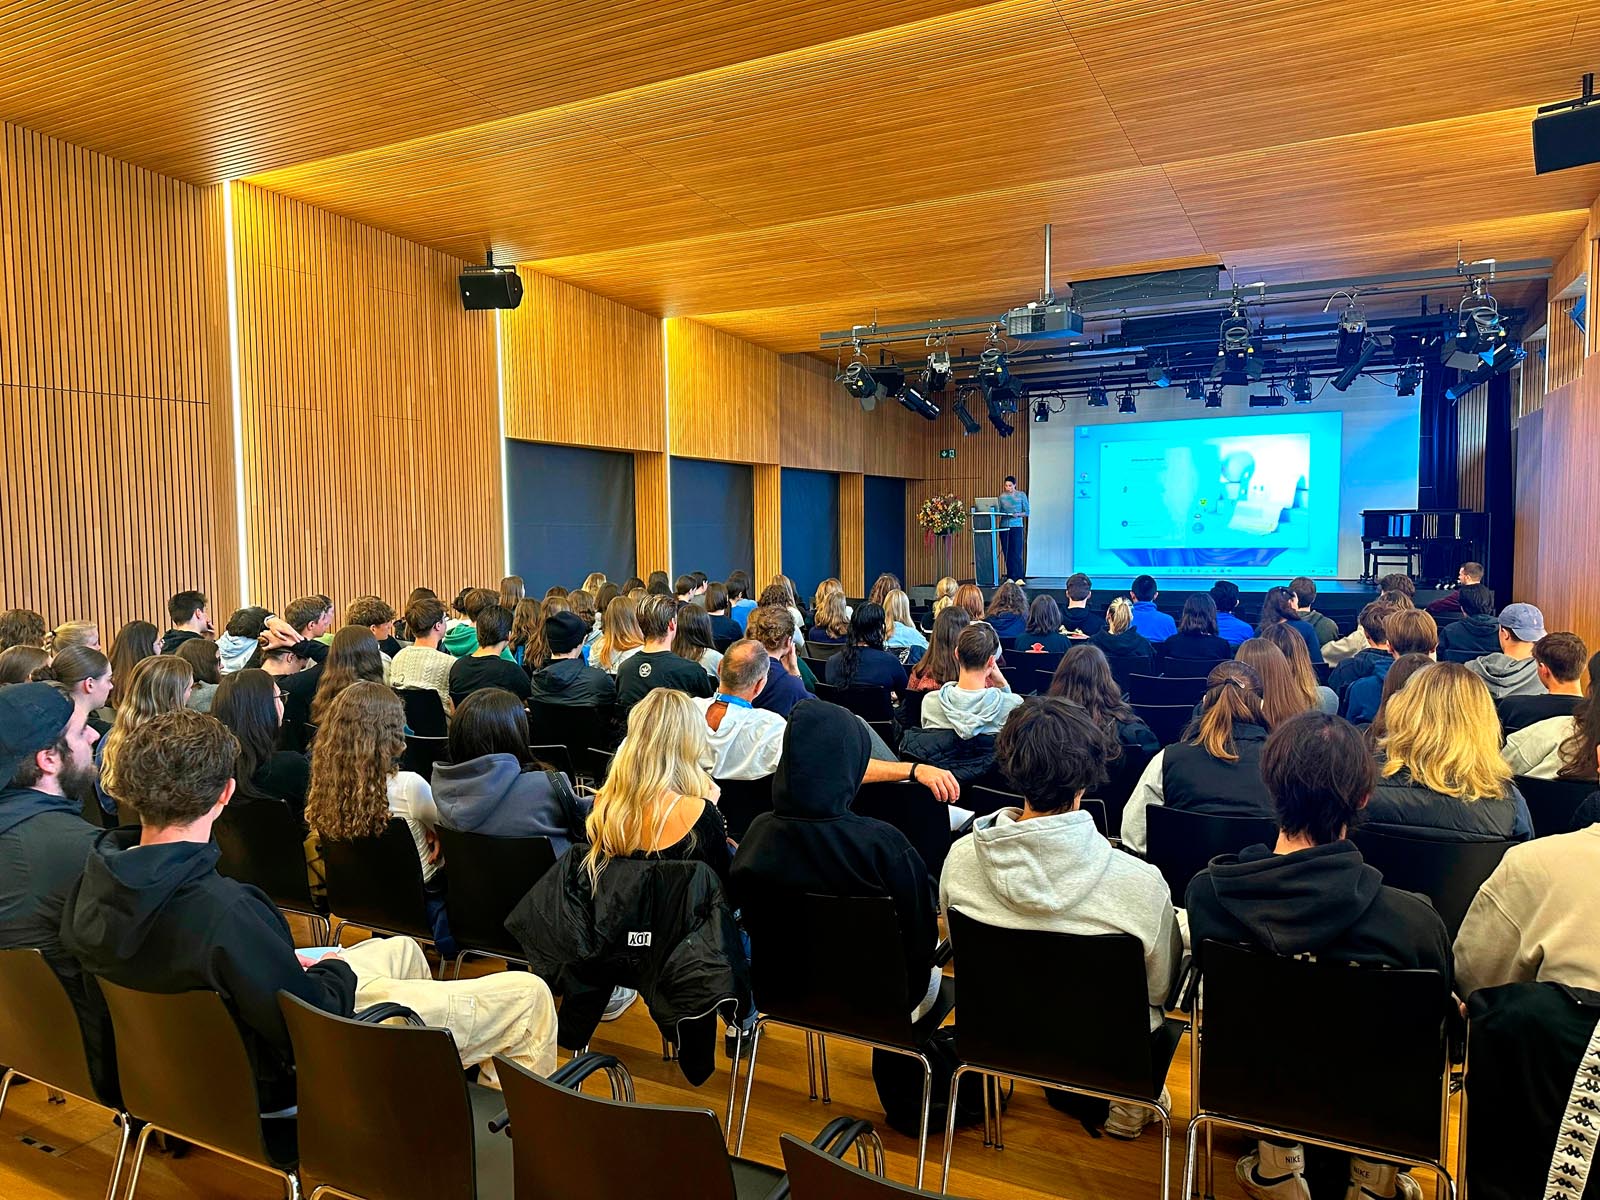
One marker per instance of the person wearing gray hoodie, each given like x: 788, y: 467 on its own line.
x: 1512, y: 671
x: 968, y: 705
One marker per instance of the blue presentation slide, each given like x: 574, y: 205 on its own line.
x: 1256, y: 494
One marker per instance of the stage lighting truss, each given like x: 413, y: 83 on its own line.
x: 1300, y: 386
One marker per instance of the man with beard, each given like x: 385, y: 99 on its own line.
x: 47, y: 763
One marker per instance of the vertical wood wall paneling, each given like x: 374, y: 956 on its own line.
x: 1563, y: 506
x: 369, y: 399
x: 853, y: 533
x: 1529, y: 476
x: 1472, y: 427
x: 820, y: 426
x: 981, y: 462
x: 766, y: 524
x: 581, y: 370
x: 113, y: 370
x: 653, y: 512
x: 1564, y: 348
x: 723, y: 395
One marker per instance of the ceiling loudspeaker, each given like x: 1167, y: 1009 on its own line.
x: 490, y: 286
x: 1568, y: 134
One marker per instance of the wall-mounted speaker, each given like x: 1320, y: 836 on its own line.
x: 1568, y: 135
x: 490, y: 287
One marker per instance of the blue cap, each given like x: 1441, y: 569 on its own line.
x: 1524, y: 621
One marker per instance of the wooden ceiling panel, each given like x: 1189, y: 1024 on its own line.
x: 1271, y: 72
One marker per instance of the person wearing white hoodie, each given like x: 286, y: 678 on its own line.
x: 1044, y: 866
x: 968, y: 705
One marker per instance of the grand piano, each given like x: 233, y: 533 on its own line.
x: 1431, y: 543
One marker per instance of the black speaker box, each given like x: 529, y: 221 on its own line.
x: 1570, y: 138
x: 490, y: 288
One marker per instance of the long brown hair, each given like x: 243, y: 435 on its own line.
x: 1008, y: 598
x: 1399, y: 674
x: 153, y: 686
x: 511, y: 591
x: 135, y: 642
x: 353, y: 657
x: 525, y: 621
x: 1578, y: 751
x: 537, y: 654
x: 1281, y: 694
x: 881, y: 587
x: 619, y: 631
x: 970, y: 597
x: 1084, y: 677
x: 1299, y: 658
x: 939, y: 662
x: 1233, y: 694
x: 356, y: 750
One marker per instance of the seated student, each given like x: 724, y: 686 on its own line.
x: 693, y: 639
x: 1282, y: 692
x: 461, y: 633
x: 723, y: 624
x: 773, y: 626
x: 1225, y: 595
x: 85, y: 674
x: 1197, y: 637
x: 1008, y: 612
x: 568, y: 680
x: 1044, y: 866
x: 1076, y: 617
x: 1311, y: 894
x: 1560, y: 747
x: 969, y: 596
x: 655, y: 665
x: 1042, y: 633
x: 1373, y: 658
x: 1280, y: 608
x: 811, y: 843
x: 1084, y: 678
x: 241, y: 638
x: 156, y: 685
x: 377, y: 614
x: 1511, y: 671
x: 900, y: 633
x: 658, y: 584
x: 885, y: 583
x: 740, y: 605
x: 421, y: 664
x: 1470, y: 574
x: 486, y: 666
x: 864, y: 662
x: 1441, y: 776
x: 1408, y: 631
x: 686, y: 589
x: 526, y: 643
x: 1399, y: 675
x: 830, y: 617
x: 1560, y: 658
x: 1305, y: 598
x: 18, y: 663
x: 944, y: 592
x: 972, y: 704
x: 620, y: 636
x: 1294, y: 652
x: 938, y: 666
x: 493, y: 785
x: 23, y: 627
x: 151, y: 913
x: 1478, y: 630
x: 1216, y: 767
x: 1152, y: 624
x: 745, y: 741
x: 46, y: 768
x: 352, y: 656
x: 1120, y: 639
x: 1397, y: 590
x: 781, y: 592
x: 250, y: 705
x: 187, y: 611
x: 201, y: 655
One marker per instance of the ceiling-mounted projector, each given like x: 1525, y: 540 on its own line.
x: 1043, y: 320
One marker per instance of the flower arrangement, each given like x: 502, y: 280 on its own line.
x: 942, y: 515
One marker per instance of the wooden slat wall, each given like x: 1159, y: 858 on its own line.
x: 1472, y: 427
x: 1565, y: 347
x: 767, y: 518
x: 1568, y: 505
x: 1529, y: 481
x: 652, y: 506
x: 853, y: 534
x: 371, y: 436
x: 114, y: 401
x: 723, y: 395
x: 981, y: 462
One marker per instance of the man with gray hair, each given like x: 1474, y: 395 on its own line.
x: 746, y: 742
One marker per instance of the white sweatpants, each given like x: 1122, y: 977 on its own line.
x: 510, y: 1013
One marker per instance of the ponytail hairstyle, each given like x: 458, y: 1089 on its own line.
x: 1233, y: 694
x: 943, y: 593
x: 72, y: 666
x: 1119, y: 615
x: 1276, y: 607
x: 866, y: 633
x: 72, y: 633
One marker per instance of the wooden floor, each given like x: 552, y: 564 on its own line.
x: 64, y: 1152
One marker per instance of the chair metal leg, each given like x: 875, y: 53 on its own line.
x: 822, y: 1064
x: 334, y: 932
x: 749, y: 1082
x: 950, y: 1125
x: 124, y: 1120
x: 293, y: 1185
x: 1166, y: 1155
x: 5, y: 1088
x: 1211, y: 1181
x: 811, y: 1064
x: 138, y: 1160
x: 988, y: 1112
x: 1192, y: 1151
x: 733, y: 1077
x: 999, y: 1116
x: 927, y: 1108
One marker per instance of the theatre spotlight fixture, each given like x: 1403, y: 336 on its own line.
x: 1098, y: 397
x: 1352, y: 328
x: 1159, y: 374
x: 1125, y: 403
x: 969, y: 423
x: 916, y: 402
x: 1405, y: 383
x: 1478, y: 333
x: 1237, y: 361
x: 1041, y: 411
x: 1194, y: 390
x: 996, y: 405
x: 858, y: 381
x: 993, y: 371
x: 1214, y: 396
x: 1300, y: 386
x: 1347, y: 375
x: 1272, y: 399
x: 936, y: 375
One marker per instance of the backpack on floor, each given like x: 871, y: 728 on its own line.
x: 899, y: 1082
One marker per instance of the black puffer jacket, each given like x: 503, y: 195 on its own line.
x: 965, y: 758
x: 1401, y: 805
x: 661, y: 926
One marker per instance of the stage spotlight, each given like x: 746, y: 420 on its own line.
x: 858, y: 380
x: 1347, y: 376
x: 969, y: 423
x: 936, y: 375
x: 1273, y: 398
x: 1159, y: 374
x: 1352, y: 334
x: 916, y: 402
x: 1041, y: 411
x: 1214, y: 396
x: 1405, y: 383
x: 1125, y: 403
x: 1098, y: 397
x: 997, y: 416
x: 993, y: 372
x: 1300, y: 387
x: 1194, y: 390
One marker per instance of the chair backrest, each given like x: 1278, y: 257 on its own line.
x: 582, y: 729
x: 1166, y: 689
x: 1097, y: 1033
x: 1552, y: 803
x: 383, y: 1108
x: 422, y: 752
x: 1459, y: 656
x: 1122, y: 777
x: 556, y: 756
x: 1447, y: 873
x: 911, y: 809
x: 743, y: 800
x: 1181, y: 843
x: 487, y: 878
x: 830, y: 962
x: 817, y: 1175
x: 868, y: 703
x: 39, y: 1032
x: 1124, y: 669
x: 262, y: 844
x: 425, y: 715
x: 377, y: 882
x: 988, y: 799
x: 721, y: 644
x: 567, y: 1144
x: 1166, y: 721
x: 1189, y: 669
x: 822, y: 651
x: 1022, y: 679
x: 1369, y: 1066
x: 184, y: 1068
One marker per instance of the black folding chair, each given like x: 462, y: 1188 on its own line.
x: 989, y: 799
x: 425, y: 715
x: 871, y: 704
x: 1391, y: 1027
x: 912, y: 809
x: 1151, y: 690
x: 829, y: 965
x: 1181, y: 843
x: 1459, y: 656
x: 41, y: 1039
x: 822, y: 651
x: 185, y: 1071
x: 262, y: 843
x: 557, y: 757
x: 1098, y: 1041
x: 376, y: 883
x: 816, y: 1175
x: 1166, y: 721
x: 582, y: 729
x: 422, y: 752
x: 1552, y: 803
x: 1124, y: 669
x: 1189, y: 668
x: 743, y: 800
x: 486, y: 878
x: 1447, y: 873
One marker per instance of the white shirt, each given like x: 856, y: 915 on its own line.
x: 748, y: 742
x: 411, y: 797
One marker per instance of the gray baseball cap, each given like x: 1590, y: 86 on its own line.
x: 1524, y: 621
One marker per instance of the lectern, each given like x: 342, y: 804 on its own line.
x: 986, y: 546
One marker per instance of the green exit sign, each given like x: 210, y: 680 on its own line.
x: 950, y: 453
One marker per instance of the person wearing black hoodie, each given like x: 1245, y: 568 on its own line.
x: 566, y: 679
x: 1312, y: 894
x: 812, y: 844
x: 151, y: 913
x: 1478, y: 630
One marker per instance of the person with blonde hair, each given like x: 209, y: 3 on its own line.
x: 158, y: 684
x: 1440, y: 773
x: 943, y: 593
x: 830, y: 615
x: 1119, y: 639
x: 620, y: 636
x: 1216, y: 767
x: 899, y: 631
x: 72, y: 633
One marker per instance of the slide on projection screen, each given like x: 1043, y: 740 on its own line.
x: 1265, y: 495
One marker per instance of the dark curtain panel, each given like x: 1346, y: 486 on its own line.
x: 712, y: 505
x: 1437, y: 482
x: 885, y: 503
x: 571, y: 513
x: 1499, y: 492
x: 810, y: 527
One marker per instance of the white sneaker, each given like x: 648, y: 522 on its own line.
x: 1291, y: 1186
x: 621, y: 998
x: 1380, y: 1181
x: 1127, y: 1121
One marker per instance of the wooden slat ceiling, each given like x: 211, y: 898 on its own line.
x: 778, y: 167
